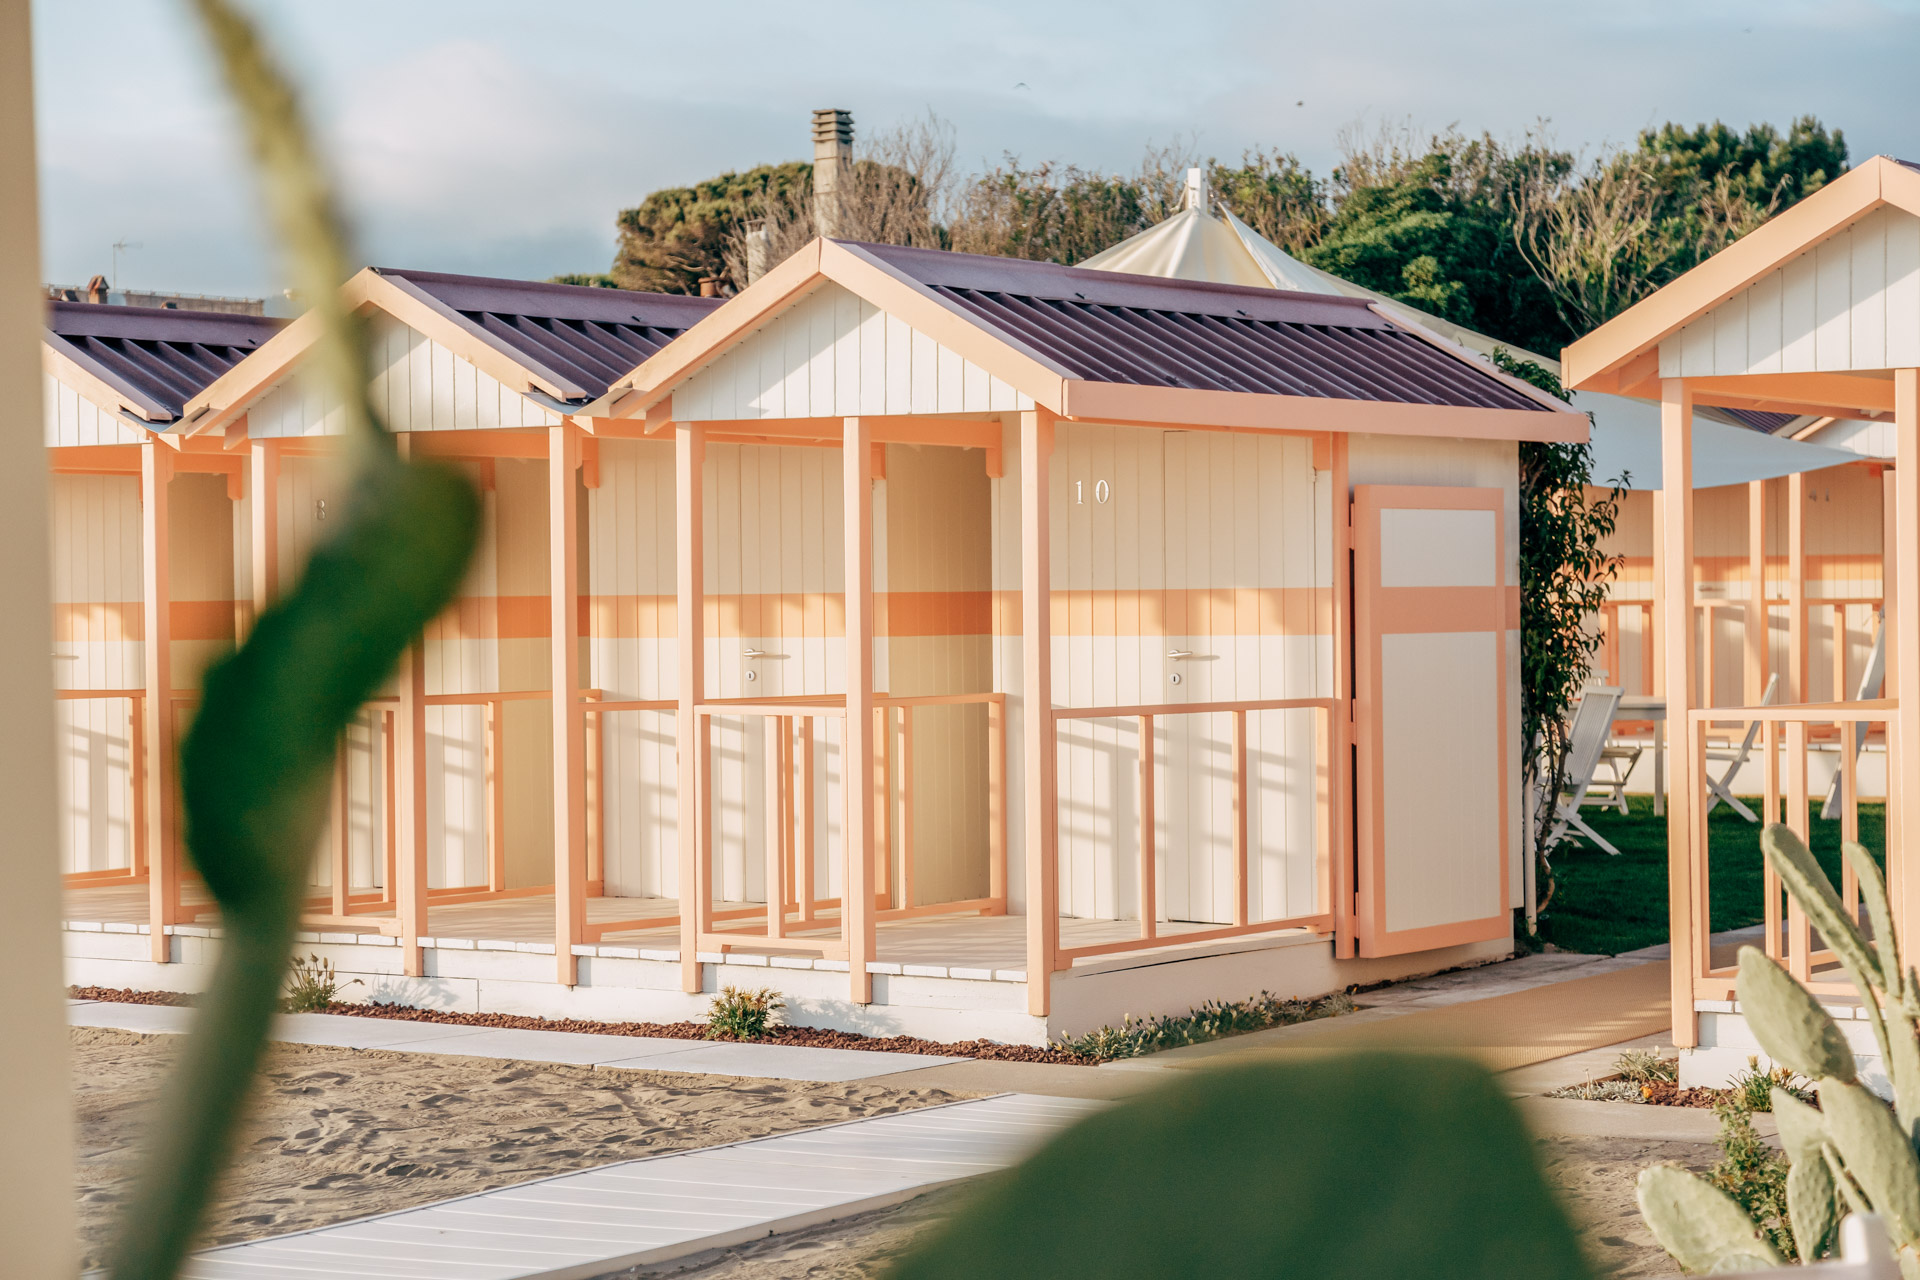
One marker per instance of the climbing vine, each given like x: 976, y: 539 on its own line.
x: 1565, y: 576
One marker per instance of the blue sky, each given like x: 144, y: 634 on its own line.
x: 500, y: 138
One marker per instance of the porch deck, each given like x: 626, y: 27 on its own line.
x: 976, y: 945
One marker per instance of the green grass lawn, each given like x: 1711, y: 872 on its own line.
x: 1605, y: 905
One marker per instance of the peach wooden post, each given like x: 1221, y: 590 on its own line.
x: 1905, y: 747
x: 1756, y: 617
x: 856, y: 902
x: 1676, y: 625
x: 1036, y: 723
x: 163, y: 873
x: 1340, y: 878
x: 263, y: 520
x: 1797, y: 686
x: 494, y: 791
x: 1149, y: 906
x: 569, y: 717
x: 690, y: 450
x: 410, y: 797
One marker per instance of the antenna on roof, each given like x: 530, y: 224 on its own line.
x: 1197, y: 189
x: 119, y: 247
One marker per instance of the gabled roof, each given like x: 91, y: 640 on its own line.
x: 557, y: 344
x: 1104, y: 346
x: 1596, y: 362
x: 147, y: 363
x: 581, y: 339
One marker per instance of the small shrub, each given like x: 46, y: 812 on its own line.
x: 1646, y: 1066
x: 313, y: 985
x: 1752, y: 1089
x: 1752, y: 1172
x: 1214, y: 1020
x: 737, y: 1014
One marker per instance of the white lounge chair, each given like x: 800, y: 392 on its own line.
x: 1735, y: 758
x: 1870, y: 681
x: 1587, y: 740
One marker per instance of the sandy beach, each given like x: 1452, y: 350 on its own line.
x: 342, y: 1133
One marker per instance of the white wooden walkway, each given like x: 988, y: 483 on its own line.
x: 639, y: 1212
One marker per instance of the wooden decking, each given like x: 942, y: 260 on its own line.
x: 964, y: 942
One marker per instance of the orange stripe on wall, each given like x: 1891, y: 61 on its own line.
x: 123, y: 620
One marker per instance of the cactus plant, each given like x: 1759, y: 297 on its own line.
x: 1853, y: 1153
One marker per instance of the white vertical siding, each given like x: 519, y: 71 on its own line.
x: 832, y: 354
x: 71, y: 419
x: 418, y: 385
x: 1851, y: 302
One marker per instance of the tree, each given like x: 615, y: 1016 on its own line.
x: 1431, y: 225
x: 1063, y: 213
x: 677, y: 237
x: 1605, y: 235
x: 1276, y: 195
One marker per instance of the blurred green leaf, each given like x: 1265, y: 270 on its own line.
x: 1351, y: 1166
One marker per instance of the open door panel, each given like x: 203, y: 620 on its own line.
x: 1430, y: 717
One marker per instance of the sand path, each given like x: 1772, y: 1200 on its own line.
x: 341, y: 1133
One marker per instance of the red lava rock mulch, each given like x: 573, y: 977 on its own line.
x: 1664, y: 1093
x: 808, y: 1037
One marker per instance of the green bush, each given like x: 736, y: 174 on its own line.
x: 738, y: 1014
x: 313, y: 985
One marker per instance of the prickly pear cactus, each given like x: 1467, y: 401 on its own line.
x: 1852, y: 1153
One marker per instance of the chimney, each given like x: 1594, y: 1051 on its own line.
x: 97, y: 289
x: 759, y: 245
x: 1197, y: 189
x: 832, y: 155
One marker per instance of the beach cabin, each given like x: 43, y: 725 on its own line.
x: 1815, y: 313
x: 1793, y: 501
x: 1036, y: 645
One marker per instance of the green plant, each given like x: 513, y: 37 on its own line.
x: 1854, y: 1153
x: 1646, y: 1066
x: 1345, y: 1167
x: 1753, y: 1174
x: 1752, y: 1089
x: 739, y: 1014
x: 313, y: 985
x: 1214, y: 1020
x: 255, y: 766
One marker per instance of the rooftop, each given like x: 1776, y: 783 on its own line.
x: 157, y: 358
x: 1105, y: 326
x: 580, y: 338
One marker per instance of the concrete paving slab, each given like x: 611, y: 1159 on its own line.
x: 540, y: 1046
x: 148, y: 1019
x: 345, y: 1031
x: 784, y: 1062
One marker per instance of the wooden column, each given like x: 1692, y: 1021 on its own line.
x: 1039, y: 792
x: 569, y: 719
x: 856, y: 902
x: 1659, y: 619
x: 162, y: 800
x: 1794, y: 688
x: 263, y: 519
x: 409, y: 887
x: 1756, y: 619
x: 689, y: 464
x: 1906, y: 639
x: 1340, y: 767
x: 1675, y: 558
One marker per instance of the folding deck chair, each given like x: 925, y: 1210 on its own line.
x: 1870, y: 682
x: 1592, y: 723
x: 1735, y: 758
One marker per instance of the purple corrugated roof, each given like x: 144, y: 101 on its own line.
x: 1760, y: 420
x: 1106, y: 326
x: 157, y: 358
x: 581, y: 339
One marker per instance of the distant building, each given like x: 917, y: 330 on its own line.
x: 97, y: 290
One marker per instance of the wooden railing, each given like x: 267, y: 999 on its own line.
x: 136, y: 870
x: 795, y: 919
x: 1788, y: 936
x: 1329, y: 879
x: 1613, y: 637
